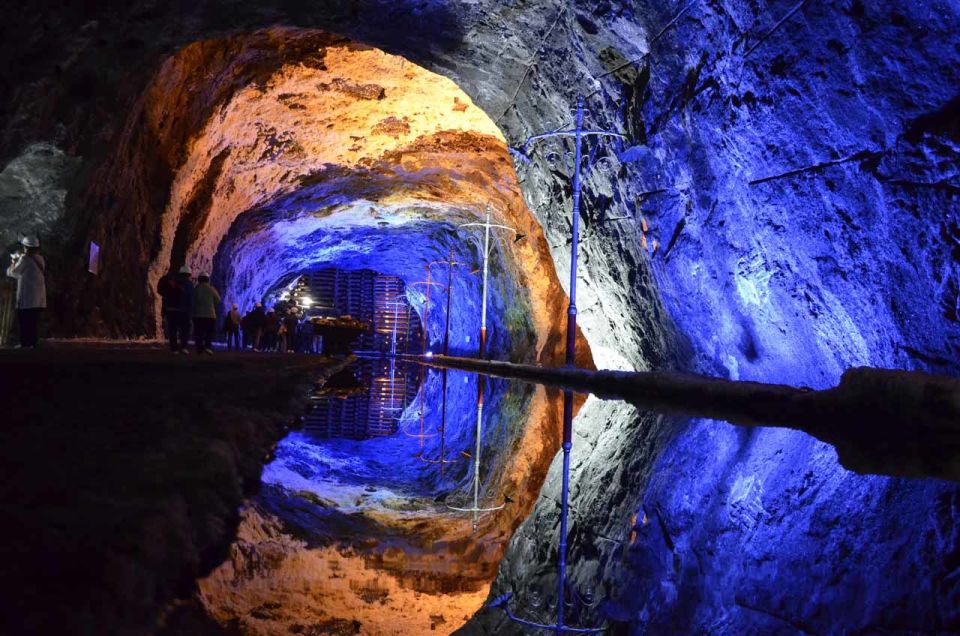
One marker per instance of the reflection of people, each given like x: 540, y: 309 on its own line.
x: 206, y: 300
x: 317, y: 330
x: 29, y: 269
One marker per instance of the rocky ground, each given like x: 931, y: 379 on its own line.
x: 123, y: 473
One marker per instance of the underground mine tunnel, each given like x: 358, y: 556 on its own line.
x: 765, y: 213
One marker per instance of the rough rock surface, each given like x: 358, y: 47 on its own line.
x: 787, y: 209
x: 360, y: 533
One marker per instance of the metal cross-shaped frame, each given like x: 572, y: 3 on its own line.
x: 577, y: 133
x: 485, y: 255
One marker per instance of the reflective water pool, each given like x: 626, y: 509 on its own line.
x: 384, y: 514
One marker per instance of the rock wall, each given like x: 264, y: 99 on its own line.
x: 787, y: 207
x: 797, y: 193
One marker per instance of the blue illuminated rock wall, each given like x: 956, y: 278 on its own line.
x: 269, y: 246
x: 803, y: 192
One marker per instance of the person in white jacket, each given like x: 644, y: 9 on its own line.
x: 29, y: 269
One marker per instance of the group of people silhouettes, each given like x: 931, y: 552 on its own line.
x: 186, y: 303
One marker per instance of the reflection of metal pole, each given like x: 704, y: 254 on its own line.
x: 476, y: 509
x: 393, y: 385
x: 446, y: 348
x: 476, y: 456
x: 446, y: 351
x: 443, y: 424
x: 427, y: 284
x: 442, y: 460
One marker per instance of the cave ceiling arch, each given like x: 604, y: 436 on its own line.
x: 311, y: 150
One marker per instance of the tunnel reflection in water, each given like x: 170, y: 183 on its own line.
x: 363, y: 402
x: 353, y: 531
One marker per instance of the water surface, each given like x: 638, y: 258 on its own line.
x: 354, y: 530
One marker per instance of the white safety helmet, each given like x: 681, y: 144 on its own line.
x: 185, y: 270
x: 30, y: 241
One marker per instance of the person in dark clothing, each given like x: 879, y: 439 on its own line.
x: 247, y: 329
x: 176, y: 292
x: 231, y: 327
x: 271, y: 325
x: 292, y: 324
x: 253, y: 326
x: 169, y: 292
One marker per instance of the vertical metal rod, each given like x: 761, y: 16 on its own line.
x: 423, y: 349
x: 443, y: 422
x: 426, y: 313
x: 571, y: 355
x: 575, y: 241
x: 483, y: 302
x: 396, y: 317
x: 476, y: 456
x: 423, y: 390
x: 446, y: 351
x: 446, y: 334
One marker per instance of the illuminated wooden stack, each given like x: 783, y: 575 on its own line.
x: 373, y: 413
x: 389, y: 318
x: 364, y: 295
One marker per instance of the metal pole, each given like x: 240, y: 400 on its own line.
x: 571, y: 354
x: 426, y: 313
x: 446, y: 333
x: 393, y: 382
x: 476, y: 462
x: 446, y: 351
x: 572, y: 310
x: 396, y: 317
x: 483, y: 302
x: 521, y: 153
